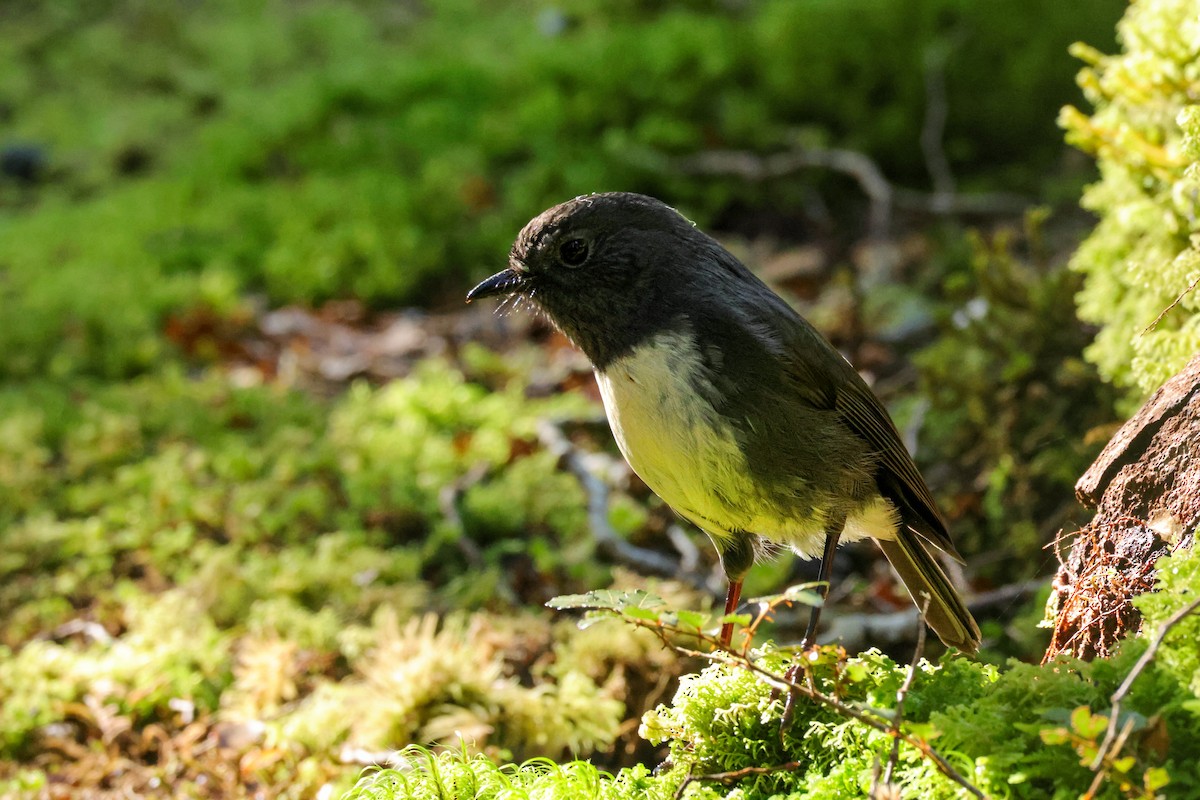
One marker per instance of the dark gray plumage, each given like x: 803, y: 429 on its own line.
x: 730, y: 406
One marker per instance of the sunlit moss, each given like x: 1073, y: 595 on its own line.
x: 1143, y: 253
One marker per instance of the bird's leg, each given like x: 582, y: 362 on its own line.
x: 737, y: 551
x: 732, y: 596
x: 833, y: 532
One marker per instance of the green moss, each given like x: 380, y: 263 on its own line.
x: 1007, y: 397
x: 318, y: 150
x: 1178, y: 585
x: 155, y: 662
x: 255, y: 494
x: 1142, y: 254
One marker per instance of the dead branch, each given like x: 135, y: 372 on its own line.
x: 755, y: 168
x: 1190, y: 287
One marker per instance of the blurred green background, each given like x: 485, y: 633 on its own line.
x: 249, y: 435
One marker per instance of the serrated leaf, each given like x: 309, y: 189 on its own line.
x: 565, y: 601
x: 606, y: 598
x: 736, y: 619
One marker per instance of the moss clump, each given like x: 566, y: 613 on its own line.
x: 260, y: 494
x: 170, y: 653
x: 1012, y: 731
x: 1145, y: 135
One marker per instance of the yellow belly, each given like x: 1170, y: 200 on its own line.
x: 688, y: 454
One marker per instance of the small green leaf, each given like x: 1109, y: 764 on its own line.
x: 593, y: 616
x: 1124, y: 764
x: 856, y: 672
x: 736, y: 619
x: 1055, y: 735
x: 1155, y: 779
x: 1060, y: 715
x: 1087, y: 724
x: 692, y: 619
x: 803, y: 594
x: 636, y: 612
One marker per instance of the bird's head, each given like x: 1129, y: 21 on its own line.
x: 606, y: 269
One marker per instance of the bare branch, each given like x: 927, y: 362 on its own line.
x: 756, y: 168
x: 735, y: 775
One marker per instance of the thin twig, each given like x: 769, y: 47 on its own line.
x: 753, y: 167
x: 902, y: 692
x: 1174, y: 303
x: 448, y: 499
x: 1127, y: 684
x: 735, y: 775
x: 933, y: 128
x: 1101, y: 774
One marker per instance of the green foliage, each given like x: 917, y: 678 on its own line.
x: 1021, y: 731
x: 1145, y: 135
x: 988, y: 723
x: 436, y: 776
x: 254, y: 494
x: 1178, y: 585
x: 316, y: 150
x: 1011, y: 402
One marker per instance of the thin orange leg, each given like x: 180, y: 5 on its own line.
x: 732, y: 596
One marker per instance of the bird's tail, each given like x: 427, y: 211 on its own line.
x: 923, y: 575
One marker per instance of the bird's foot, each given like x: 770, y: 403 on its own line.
x: 789, y: 704
x: 792, y: 676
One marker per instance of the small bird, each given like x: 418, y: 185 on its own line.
x: 726, y: 402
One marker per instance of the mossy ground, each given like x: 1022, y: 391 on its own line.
x: 222, y: 573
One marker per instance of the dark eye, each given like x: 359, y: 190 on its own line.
x: 573, y: 252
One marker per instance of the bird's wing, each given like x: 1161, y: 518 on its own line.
x: 898, y: 475
x: 759, y: 329
x: 824, y: 379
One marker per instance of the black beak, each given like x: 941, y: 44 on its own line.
x: 505, y: 282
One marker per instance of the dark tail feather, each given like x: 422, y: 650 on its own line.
x: 922, y: 575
